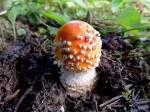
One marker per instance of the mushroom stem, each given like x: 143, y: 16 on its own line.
x: 78, y: 83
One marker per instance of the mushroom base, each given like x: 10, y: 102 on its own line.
x: 78, y: 83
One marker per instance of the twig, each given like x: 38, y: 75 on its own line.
x: 113, y: 103
x: 22, y: 98
x: 44, y: 24
x: 96, y: 107
x: 110, y: 101
x: 138, y: 103
x: 143, y: 102
x: 12, y: 96
x: 108, y: 59
x: 136, y: 56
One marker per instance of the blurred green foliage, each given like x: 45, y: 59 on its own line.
x: 128, y: 17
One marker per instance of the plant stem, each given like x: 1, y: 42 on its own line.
x: 14, y: 31
x: 1, y: 30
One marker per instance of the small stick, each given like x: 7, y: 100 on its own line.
x: 138, y: 103
x: 110, y: 101
x: 22, y: 98
x: 143, y: 102
x: 12, y: 96
x: 96, y: 107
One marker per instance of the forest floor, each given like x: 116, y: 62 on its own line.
x: 29, y: 81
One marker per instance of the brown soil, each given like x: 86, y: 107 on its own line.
x: 29, y: 82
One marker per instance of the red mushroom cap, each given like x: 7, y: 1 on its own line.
x: 77, y: 46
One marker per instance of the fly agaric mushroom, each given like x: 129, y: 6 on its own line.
x: 77, y: 51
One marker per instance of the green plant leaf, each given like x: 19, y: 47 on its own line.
x: 60, y: 19
x: 129, y: 18
x: 12, y: 14
x: 116, y: 4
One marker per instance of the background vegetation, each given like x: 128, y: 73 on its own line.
x: 129, y: 18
